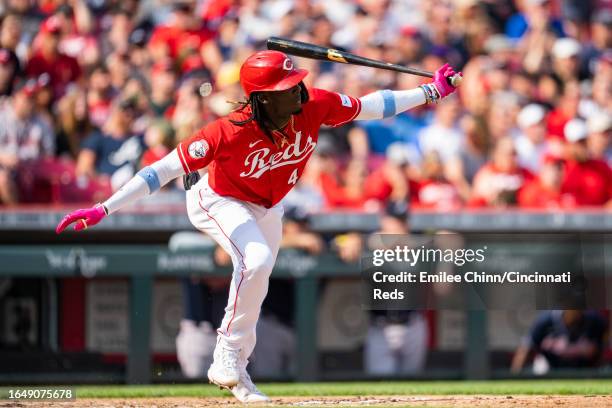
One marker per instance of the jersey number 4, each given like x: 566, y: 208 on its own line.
x: 293, y: 178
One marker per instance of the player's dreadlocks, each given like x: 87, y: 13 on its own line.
x: 259, y: 113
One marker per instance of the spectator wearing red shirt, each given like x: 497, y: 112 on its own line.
x: 183, y: 33
x: 61, y: 68
x: 587, y: 181
x: 435, y: 191
x: 498, y: 182
x: 348, y: 193
x: 395, y: 179
x: 545, y: 190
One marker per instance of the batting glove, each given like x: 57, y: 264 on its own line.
x: 441, y: 86
x: 84, y: 218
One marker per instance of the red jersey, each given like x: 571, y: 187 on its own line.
x: 245, y: 164
x: 178, y: 40
x: 62, y: 70
x: 378, y: 187
x: 439, y: 195
x: 535, y: 195
x: 336, y: 195
x: 489, y: 183
x: 589, y: 183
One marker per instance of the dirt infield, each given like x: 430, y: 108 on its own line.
x: 496, y: 401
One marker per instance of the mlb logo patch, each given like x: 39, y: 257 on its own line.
x: 198, y: 149
x: 346, y: 101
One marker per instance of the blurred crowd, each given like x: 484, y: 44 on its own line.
x: 92, y: 90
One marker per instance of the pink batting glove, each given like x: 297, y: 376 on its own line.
x: 442, y: 80
x: 84, y: 218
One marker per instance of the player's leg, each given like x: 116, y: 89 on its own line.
x: 233, y: 225
x: 270, y: 224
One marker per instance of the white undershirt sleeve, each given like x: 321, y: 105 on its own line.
x: 384, y: 104
x: 147, y: 181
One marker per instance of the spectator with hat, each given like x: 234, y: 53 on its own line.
x: 25, y: 136
x: 531, y: 144
x: 587, y: 181
x: 48, y: 58
x: 566, y: 59
x: 599, y: 125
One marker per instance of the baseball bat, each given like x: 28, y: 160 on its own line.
x: 306, y: 50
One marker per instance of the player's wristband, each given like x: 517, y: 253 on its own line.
x: 431, y: 93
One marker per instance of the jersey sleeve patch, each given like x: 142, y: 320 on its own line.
x: 198, y: 149
x: 346, y: 101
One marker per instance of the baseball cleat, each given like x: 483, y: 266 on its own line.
x: 245, y: 391
x: 224, y: 370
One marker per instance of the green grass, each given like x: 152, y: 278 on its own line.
x: 510, y: 387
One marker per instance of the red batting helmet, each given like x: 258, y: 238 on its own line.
x: 269, y: 71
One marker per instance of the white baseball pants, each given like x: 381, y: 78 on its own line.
x: 251, y: 235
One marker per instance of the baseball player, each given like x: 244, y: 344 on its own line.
x: 255, y: 156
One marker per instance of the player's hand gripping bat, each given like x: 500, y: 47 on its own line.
x: 306, y: 50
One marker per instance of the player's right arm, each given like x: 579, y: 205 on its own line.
x: 190, y: 155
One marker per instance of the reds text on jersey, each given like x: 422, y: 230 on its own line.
x: 245, y: 164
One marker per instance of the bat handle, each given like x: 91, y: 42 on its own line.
x: 455, y: 80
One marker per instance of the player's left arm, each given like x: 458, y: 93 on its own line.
x: 146, y: 182
x: 190, y: 155
x: 387, y: 103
